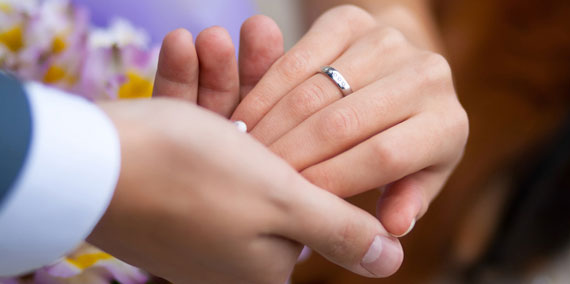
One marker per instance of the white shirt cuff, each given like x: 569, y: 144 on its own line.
x: 65, y: 185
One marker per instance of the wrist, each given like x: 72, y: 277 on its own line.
x: 132, y: 202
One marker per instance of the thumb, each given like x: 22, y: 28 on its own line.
x: 342, y: 232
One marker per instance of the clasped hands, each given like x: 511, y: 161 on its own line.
x: 199, y: 202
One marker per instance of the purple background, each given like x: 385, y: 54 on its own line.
x: 159, y: 17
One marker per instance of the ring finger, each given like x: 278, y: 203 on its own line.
x: 347, y: 122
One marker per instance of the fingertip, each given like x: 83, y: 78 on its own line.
x: 261, y: 39
x: 178, y: 46
x: 219, y: 78
x: 410, y: 228
x: 177, y: 72
x: 384, y: 257
x: 264, y: 25
x: 215, y: 43
x: 261, y: 44
x: 177, y: 35
x: 398, y: 211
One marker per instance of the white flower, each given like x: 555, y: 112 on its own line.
x: 120, y: 33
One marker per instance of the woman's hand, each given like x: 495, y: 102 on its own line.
x: 199, y: 202
x: 207, y: 73
x: 403, y: 126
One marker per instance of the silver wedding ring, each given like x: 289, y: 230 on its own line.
x: 338, y: 79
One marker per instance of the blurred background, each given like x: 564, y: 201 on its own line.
x: 504, y: 216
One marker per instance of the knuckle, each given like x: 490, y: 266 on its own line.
x: 453, y: 124
x: 436, y: 67
x: 340, y: 124
x: 388, y: 37
x: 342, y: 240
x: 431, y: 70
x: 388, y: 156
x: 282, y: 200
x: 308, y: 99
x: 355, y: 16
x: 283, y: 197
x: 293, y: 64
x: 350, y: 12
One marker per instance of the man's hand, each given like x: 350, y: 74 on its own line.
x: 199, y: 202
x: 215, y: 82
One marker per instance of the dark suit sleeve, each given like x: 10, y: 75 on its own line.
x: 60, y: 160
x: 15, y: 132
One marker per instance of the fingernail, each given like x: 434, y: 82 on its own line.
x: 410, y: 228
x: 241, y: 126
x: 384, y: 256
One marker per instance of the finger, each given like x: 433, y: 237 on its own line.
x: 326, y: 40
x: 409, y: 147
x: 218, y: 88
x: 405, y: 201
x: 371, y: 110
x: 177, y: 73
x: 261, y: 44
x: 341, y: 232
x: 369, y: 59
x: 347, y: 122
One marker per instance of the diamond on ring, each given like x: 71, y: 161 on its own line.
x: 338, y: 79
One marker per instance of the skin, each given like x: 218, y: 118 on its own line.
x: 402, y: 130
x: 413, y: 18
x: 196, y: 197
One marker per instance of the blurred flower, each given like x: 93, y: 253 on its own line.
x: 120, y: 33
x: 85, y: 265
x: 52, y: 42
x: 90, y: 265
x: 113, y: 72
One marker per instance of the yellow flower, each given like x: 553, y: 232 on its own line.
x: 136, y: 86
x: 58, y: 74
x: 85, y: 261
x: 54, y: 74
x: 58, y: 45
x: 13, y: 38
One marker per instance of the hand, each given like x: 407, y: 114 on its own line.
x: 199, y: 202
x: 215, y: 83
x: 403, y: 126
x: 196, y: 197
